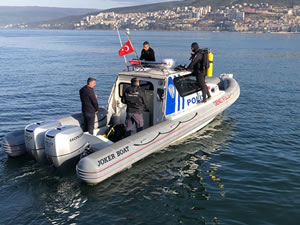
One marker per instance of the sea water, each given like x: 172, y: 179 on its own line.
x: 243, y: 168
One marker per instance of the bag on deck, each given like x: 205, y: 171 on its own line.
x: 116, y: 132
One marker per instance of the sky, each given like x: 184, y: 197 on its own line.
x: 97, y: 4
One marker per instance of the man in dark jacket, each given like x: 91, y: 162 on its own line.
x: 198, y: 69
x: 147, y: 53
x: 89, y: 104
x: 134, y: 97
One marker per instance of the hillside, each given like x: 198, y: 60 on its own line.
x: 69, y: 21
x: 213, y: 3
x: 16, y: 15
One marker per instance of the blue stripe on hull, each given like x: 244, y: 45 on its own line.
x: 178, y: 105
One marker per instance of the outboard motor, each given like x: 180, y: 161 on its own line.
x: 35, y: 138
x: 64, y: 144
x: 14, y: 144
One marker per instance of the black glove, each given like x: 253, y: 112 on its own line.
x: 180, y: 67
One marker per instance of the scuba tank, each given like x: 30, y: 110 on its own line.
x: 207, y: 61
x: 209, y: 71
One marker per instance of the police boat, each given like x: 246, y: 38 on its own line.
x: 174, y: 110
x: 173, y: 100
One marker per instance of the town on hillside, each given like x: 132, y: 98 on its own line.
x: 244, y: 17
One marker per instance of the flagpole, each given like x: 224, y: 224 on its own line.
x: 116, y: 25
x: 129, y: 38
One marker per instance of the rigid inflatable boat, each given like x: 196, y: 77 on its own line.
x: 174, y: 110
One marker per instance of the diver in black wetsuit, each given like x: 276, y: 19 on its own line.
x: 198, y: 69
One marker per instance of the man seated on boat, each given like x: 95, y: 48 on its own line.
x: 89, y: 104
x: 197, y: 68
x: 147, y: 53
x: 135, y: 99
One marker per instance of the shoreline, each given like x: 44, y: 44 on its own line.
x: 213, y: 31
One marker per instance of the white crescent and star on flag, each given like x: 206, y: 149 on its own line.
x: 125, y: 48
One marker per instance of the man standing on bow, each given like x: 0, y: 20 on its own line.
x: 89, y: 104
x: 198, y: 69
x: 135, y: 99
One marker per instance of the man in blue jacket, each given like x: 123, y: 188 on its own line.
x: 89, y: 104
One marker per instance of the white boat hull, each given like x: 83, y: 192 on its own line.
x: 106, y: 162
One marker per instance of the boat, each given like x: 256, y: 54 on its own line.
x: 174, y: 110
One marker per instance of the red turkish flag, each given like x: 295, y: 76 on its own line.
x: 126, y: 49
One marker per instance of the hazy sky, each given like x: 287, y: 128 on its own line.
x: 99, y: 4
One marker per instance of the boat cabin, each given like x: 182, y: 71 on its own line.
x: 168, y: 92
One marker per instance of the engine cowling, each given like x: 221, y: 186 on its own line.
x: 35, y: 138
x: 64, y: 144
x: 14, y: 144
